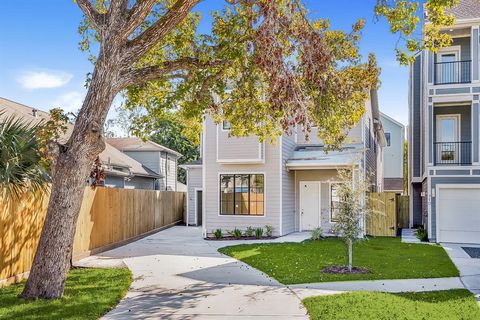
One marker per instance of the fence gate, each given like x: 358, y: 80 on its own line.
x: 382, y: 219
x: 403, y: 212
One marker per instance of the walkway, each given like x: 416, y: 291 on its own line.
x: 178, y: 275
x: 469, y: 267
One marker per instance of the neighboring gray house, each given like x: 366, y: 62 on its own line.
x: 443, y: 135
x: 121, y: 171
x: 393, y: 154
x: 289, y: 185
x: 159, y: 159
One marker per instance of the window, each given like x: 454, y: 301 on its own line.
x: 334, y: 202
x: 226, y: 125
x: 242, y: 194
x: 387, y: 137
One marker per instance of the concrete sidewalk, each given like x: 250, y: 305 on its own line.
x: 178, y: 275
x: 469, y: 267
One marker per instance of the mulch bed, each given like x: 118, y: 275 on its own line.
x: 241, y: 238
x: 344, y: 270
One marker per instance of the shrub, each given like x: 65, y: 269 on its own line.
x: 316, y: 234
x: 250, y: 232
x: 258, y: 233
x: 422, y: 234
x: 236, y: 233
x: 218, y: 233
x: 268, y: 230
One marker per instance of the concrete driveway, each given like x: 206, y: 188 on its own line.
x: 469, y: 267
x: 178, y: 275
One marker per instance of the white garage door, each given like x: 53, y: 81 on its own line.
x: 458, y: 215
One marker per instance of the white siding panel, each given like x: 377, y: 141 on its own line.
x: 237, y: 148
x: 194, y: 182
x: 271, y: 169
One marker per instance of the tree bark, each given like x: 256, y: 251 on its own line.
x: 350, y: 255
x: 52, y: 259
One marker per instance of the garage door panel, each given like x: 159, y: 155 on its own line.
x: 459, y: 215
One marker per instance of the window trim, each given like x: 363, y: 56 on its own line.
x: 219, y: 204
x: 389, y: 139
x: 330, y: 183
x: 223, y: 126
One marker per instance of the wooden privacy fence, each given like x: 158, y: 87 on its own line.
x: 388, y: 212
x: 108, y: 217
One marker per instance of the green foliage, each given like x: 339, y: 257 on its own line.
x: 236, y: 233
x: 403, y: 16
x: 89, y: 294
x: 317, y: 234
x: 49, y: 132
x: 297, y: 72
x: 386, y: 258
x: 250, y: 232
x: 268, y: 230
x: 258, y: 233
x: 422, y: 234
x: 439, y: 305
x: 218, y: 234
x: 21, y: 167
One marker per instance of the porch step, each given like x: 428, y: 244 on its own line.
x: 409, y: 236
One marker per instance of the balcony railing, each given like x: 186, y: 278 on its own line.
x: 453, y: 153
x: 453, y: 72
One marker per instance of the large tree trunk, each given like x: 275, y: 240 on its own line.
x: 52, y: 259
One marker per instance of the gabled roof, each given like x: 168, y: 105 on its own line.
x: 137, y: 144
x: 108, y: 156
x: 387, y: 117
x: 466, y: 9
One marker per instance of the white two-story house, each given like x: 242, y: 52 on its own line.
x: 443, y: 135
x: 289, y: 185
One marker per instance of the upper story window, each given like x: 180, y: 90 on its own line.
x: 226, y: 125
x: 242, y: 194
x: 450, y: 68
x: 388, y: 138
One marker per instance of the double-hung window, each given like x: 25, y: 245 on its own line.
x: 242, y: 194
x: 334, y: 202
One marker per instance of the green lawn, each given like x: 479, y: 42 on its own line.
x: 386, y: 258
x: 89, y: 294
x: 438, y: 305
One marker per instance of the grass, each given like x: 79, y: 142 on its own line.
x: 385, y: 258
x: 89, y: 294
x: 438, y: 305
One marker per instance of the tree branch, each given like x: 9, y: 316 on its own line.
x: 139, y: 12
x: 145, y: 41
x: 142, y: 75
x: 92, y: 14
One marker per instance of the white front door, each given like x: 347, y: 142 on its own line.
x: 309, y: 205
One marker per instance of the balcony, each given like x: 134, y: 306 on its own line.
x: 453, y: 72
x: 453, y: 153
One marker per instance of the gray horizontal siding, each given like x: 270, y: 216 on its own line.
x: 288, y: 187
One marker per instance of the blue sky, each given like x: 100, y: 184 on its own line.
x: 41, y: 65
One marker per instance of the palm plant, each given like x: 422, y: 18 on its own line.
x: 21, y: 167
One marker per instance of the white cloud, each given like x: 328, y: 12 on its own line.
x: 70, y: 101
x: 43, y: 79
